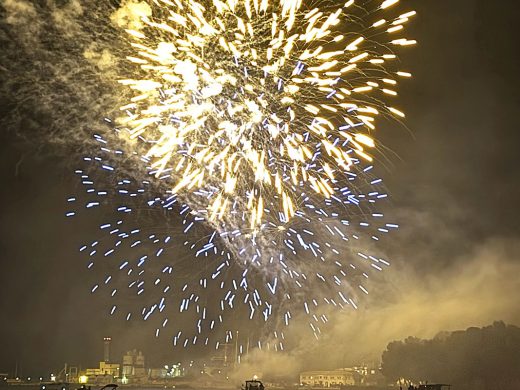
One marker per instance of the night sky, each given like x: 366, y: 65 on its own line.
x: 452, y: 172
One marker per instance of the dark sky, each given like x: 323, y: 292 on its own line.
x: 455, y: 187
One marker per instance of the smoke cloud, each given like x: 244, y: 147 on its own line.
x: 475, y: 291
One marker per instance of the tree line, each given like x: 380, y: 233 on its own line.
x: 476, y: 358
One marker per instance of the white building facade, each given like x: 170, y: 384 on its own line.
x: 331, y: 378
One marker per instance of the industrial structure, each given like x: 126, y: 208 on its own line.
x: 104, y: 371
x: 106, y: 349
x: 133, y: 367
x: 132, y: 370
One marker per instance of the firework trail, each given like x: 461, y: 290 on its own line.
x: 244, y: 134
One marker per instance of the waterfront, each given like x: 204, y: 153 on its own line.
x: 237, y: 386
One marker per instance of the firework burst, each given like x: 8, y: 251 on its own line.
x: 247, y: 133
x: 256, y: 100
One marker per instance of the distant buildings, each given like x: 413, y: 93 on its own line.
x: 359, y: 375
x: 133, y: 364
x: 329, y: 378
x: 131, y: 371
x: 105, y: 369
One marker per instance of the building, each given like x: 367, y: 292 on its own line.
x: 133, y: 365
x: 106, y: 372
x: 105, y: 369
x: 330, y: 378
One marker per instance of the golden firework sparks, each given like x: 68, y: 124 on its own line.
x: 260, y: 97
